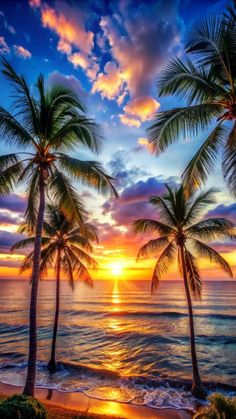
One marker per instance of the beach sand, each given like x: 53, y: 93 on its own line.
x: 68, y: 404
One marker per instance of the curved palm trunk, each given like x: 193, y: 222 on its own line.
x: 197, y: 387
x: 52, y: 363
x: 32, y: 356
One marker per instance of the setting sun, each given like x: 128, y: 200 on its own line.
x: 116, y: 268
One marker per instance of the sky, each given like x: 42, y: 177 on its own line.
x: 111, y: 53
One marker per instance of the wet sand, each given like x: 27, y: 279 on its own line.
x: 80, y: 402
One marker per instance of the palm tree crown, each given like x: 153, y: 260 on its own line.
x: 45, y: 129
x: 62, y: 234
x: 206, y: 80
x: 178, y: 227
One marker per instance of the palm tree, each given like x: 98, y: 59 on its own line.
x: 44, y: 128
x: 181, y: 235
x: 206, y: 79
x: 65, y: 247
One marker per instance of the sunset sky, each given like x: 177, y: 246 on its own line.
x: 111, y: 52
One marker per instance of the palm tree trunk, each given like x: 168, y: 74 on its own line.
x: 32, y: 355
x: 197, y: 387
x: 52, y: 363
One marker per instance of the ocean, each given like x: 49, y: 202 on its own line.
x: 119, y: 342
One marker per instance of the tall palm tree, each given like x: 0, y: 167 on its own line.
x: 44, y: 128
x: 206, y: 80
x: 65, y: 246
x: 181, y: 235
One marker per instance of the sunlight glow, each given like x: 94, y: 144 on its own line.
x: 116, y: 268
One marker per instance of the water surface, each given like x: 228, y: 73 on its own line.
x: 119, y: 327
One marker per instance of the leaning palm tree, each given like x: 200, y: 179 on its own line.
x: 45, y: 128
x: 65, y: 246
x: 206, y: 80
x: 182, y: 235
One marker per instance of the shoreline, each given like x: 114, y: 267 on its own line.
x: 79, y: 401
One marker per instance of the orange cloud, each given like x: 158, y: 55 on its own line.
x: 145, y: 143
x: 22, y: 52
x: 79, y: 60
x: 110, y: 83
x: 64, y: 47
x: 139, y: 110
x: 130, y: 121
x: 143, y: 108
x: 68, y: 28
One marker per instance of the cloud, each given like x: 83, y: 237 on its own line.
x: 224, y: 211
x: 69, y: 81
x: 64, y: 47
x: 141, y: 36
x: 13, y: 202
x: 79, y: 60
x: 4, y: 48
x: 120, y: 172
x: 7, y: 218
x: 143, y: 108
x: 35, y: 3
x: 69, y: 26
x: 130, y: 121
x: 134, y: 201
x: 224, y: 247
x: 110, y: 82
x: 6, y: 25
x: 7, y: 240
x: 69, y: 23
x: 143, y: 143
x: 22, y: 52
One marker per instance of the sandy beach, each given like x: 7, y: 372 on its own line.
x: 78, y: 402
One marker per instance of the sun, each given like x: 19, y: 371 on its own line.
x: 116, y: 268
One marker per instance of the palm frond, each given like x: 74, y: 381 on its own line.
x: 65, y: 194
x: 152, y: 247
x: 24, y: 104
x: 27, y: 263
x: 165, y: 210
x: 146, y: 225
x: 163, y: 264
x: 169, y: 125
x: 208, y: 252
x: 89, y: 173
x: 193, y: 276
x: 82, y: 256
x: 204, y: 161
x: 197, y: 204
x: 33, y: 200
x: 208, y: 40
x: 191, y: 83
x: 77, y: 130
x: 29, y: 242
x: 8, y: 160
x: 229, y: 169
x: 211, y: 229
x: 10, y: 176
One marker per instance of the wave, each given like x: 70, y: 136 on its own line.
x: 124, y: 313
x: 101, y: 383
